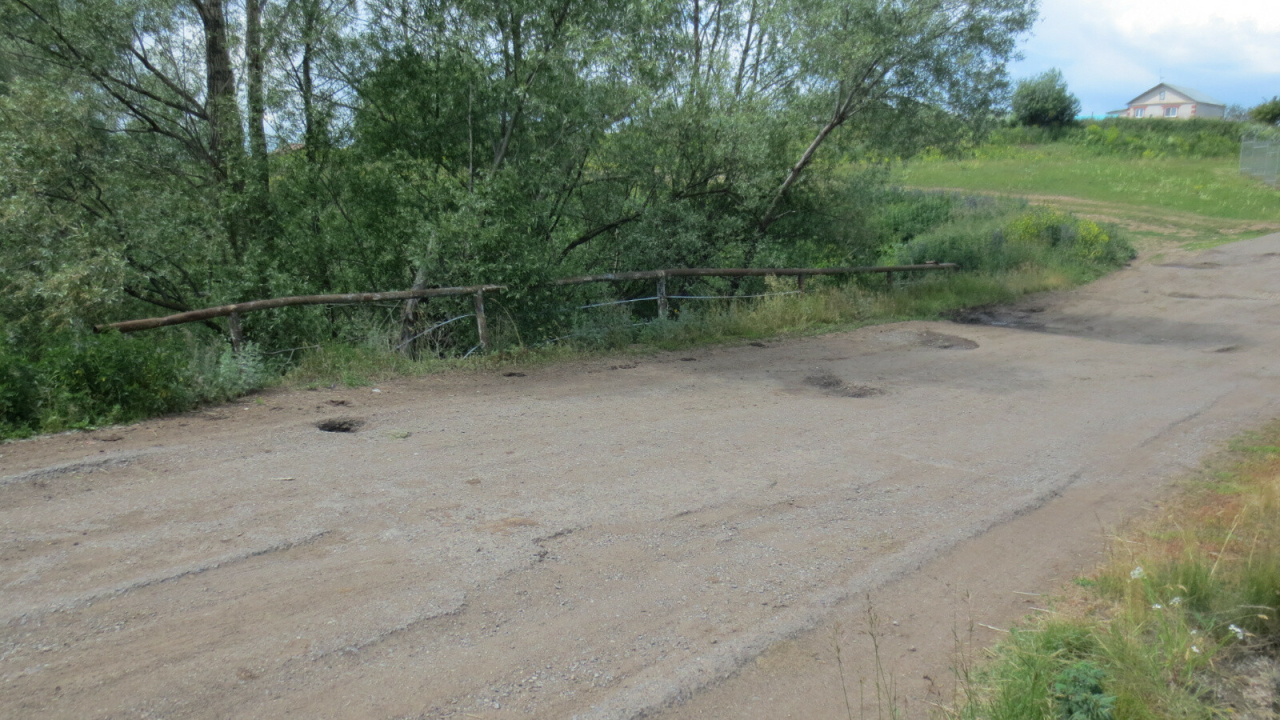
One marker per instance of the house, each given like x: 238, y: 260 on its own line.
x: 1173, y: 102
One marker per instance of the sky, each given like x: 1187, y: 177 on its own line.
x: 1110, y: 51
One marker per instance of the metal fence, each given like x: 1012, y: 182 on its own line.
x: 410, y: 334
x: 1260, y: 158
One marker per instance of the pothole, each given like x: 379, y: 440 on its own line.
x: 943, y: 341
x: 340, y: 425
x: 835, y: 387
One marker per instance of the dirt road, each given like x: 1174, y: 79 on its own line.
x: 677, y: 534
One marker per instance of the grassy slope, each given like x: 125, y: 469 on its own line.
x: 1201, y: 200
x: 1179, y: 623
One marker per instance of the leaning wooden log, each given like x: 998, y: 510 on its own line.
x: 353, y: 298
x: 343, y: 299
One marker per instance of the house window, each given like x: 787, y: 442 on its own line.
x: 1171, y: 111
x: 1162, y: 94
x: 1139, y: 112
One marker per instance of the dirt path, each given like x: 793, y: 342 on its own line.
x: 1152, y: 226
x: 611, y: 539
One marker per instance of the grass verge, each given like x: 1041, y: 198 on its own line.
x: 1180, y: 622
x: 1203, y: 201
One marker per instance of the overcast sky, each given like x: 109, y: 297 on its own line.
x: 1112, y: 50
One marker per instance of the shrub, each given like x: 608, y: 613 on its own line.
x: 1187, y: 138
x: 907, y: 214
x: 111, y: 378
x: 1044, y: 101
x: 1078, y: 693
x: 84, y: 380
x: 985, y: 241
x: 1267, y: 113
x: 19, y: 399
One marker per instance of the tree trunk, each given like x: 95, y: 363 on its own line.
x: 311, y: 137
x: 226, y: 137
x: 259, y: 172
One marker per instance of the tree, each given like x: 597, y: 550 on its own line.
x: 186, y: 152
x: 868, y: 55
x: 1044, y: 101
x: 1267, y: 113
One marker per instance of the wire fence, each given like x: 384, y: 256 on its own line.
x: 442, y: 335
x: 1260, y: 158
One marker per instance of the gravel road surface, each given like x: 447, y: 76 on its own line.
x: 687, y: 534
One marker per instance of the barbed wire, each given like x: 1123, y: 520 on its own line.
x: 437, y: 326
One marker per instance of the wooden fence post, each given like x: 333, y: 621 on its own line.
x: 800, y: 283
x: 888, y: 278
x: 237, y: 334
x: 662, y: 297
x: 482, y: 325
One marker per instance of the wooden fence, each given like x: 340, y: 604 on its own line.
x: 233, y: 311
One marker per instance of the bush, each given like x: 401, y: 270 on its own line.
x: 906, y: 214
x: 1044, y: 101
x: 110, y: 378
x: 19, y: 400
x: 1078, y: 693
x: 1129, y: 137
x: 79, y: 381
x: 1138, y: 138
x: 992, y: 241
x: 1267, y: 113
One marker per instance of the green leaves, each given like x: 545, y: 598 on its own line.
x: 1044, y: 101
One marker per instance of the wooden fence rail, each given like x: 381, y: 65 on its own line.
x: 234, y: 311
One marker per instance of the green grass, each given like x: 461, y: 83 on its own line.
x: 1185, y: 598
x: 1208, y: 187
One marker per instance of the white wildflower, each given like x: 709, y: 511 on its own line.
x: 1157, y: 606
x: 1195, y: 649
x: 1236, y: 631
x: 1175, y: 601
x: 1137, y: 572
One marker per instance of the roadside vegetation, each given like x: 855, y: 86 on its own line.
x: 1181, y: 622
x: 162, y: 156
x: 1006, y: 247
x: 1160, y: 180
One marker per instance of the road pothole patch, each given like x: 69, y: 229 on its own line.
x: 835, y: 387
x: 942, y: 341
x: 340, y: 425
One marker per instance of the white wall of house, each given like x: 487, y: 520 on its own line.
x: 1162, y: 102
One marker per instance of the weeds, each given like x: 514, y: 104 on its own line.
x: 1147, y: 636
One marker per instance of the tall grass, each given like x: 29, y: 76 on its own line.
x: 1181, y: 597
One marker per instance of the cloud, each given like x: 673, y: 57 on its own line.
x: 1111, y: 51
